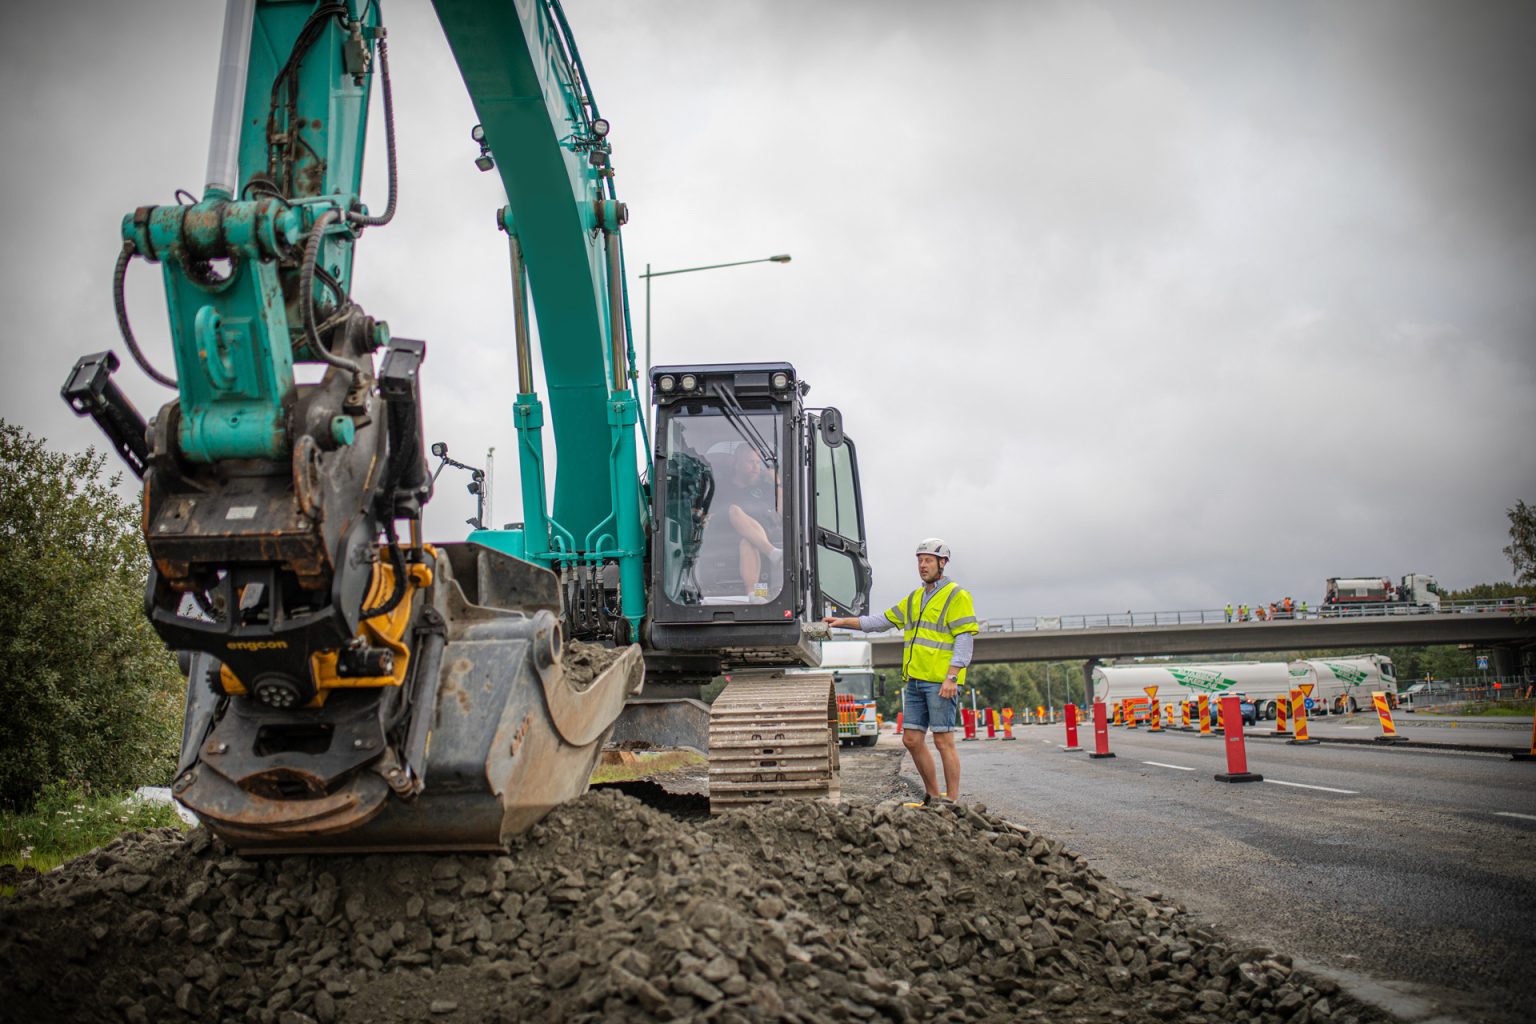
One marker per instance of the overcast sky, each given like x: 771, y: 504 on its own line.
x: 1139, y: 305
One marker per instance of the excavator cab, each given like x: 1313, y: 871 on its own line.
x: 757, y: 515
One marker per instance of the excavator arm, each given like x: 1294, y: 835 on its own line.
x: 352, y: 686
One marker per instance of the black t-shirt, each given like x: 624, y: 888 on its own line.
x: 757, y: 499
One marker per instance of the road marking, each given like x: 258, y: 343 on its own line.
x: 1325, y: 789
x: 1160, y: 764
x: 1356, y: 727
x: 1512, y: 814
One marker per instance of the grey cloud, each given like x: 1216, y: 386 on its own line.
x: 1140, y: 304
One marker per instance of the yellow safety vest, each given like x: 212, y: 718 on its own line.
x: 928, y: 629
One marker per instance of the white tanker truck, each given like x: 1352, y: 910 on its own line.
x: 1336, y: 685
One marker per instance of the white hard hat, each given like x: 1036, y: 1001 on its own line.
x: 933, y: 546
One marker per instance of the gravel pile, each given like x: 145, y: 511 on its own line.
x: 611, y: 910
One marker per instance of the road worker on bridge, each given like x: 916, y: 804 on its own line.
x: 938, y: 627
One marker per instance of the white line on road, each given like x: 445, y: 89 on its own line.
x: 1325, y: 789
x: 1512, y: 814
x: 1160, y: 764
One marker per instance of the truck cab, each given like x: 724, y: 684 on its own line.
x: 1420, y: 590
x: 857, y: 686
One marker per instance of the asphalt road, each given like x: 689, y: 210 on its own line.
x: 1408, y: 874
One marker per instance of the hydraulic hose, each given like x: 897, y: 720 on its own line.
x: 389, y: 141
x: 397, y: 560
x: 307, y: 296
x: 118, y: 276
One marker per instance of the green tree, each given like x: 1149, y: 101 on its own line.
x: 1522, y: 542
x: 90, y: 693
x: 1490, y: 592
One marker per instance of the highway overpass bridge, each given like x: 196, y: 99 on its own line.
x: 1510, y: 634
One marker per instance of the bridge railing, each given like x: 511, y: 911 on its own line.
x: 1220, y: 616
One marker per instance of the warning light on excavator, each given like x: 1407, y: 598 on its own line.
x: 667, y: 382
x: 600, y: 127
x: 484, y: 161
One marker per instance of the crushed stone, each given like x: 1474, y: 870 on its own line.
x: 610, y: 910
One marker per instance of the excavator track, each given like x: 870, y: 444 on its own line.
x: 773, y: 737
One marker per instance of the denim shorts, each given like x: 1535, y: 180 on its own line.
x: 922, y: 708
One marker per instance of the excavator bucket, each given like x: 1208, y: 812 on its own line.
x: 498, y: 722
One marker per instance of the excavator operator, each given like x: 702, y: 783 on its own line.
x: 749, y: 494
x: 938, y: 625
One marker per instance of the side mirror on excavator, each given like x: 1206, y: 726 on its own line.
x: 831, y: 427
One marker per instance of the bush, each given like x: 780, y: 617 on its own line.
x: 90, y: 693
x: 66, y: 821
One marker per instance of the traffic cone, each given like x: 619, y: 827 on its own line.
x: 1071, y: 716
x: 1237, y: 756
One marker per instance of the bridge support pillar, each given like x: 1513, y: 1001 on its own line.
x: 1088, y: 667
x: 1507, y: 661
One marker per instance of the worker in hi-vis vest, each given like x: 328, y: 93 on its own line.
x: 938, y: 627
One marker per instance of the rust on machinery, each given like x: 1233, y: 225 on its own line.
x: 773, y: 737
x: 509, y: 721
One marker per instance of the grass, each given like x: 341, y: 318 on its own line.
x: 67, y: 821
x: 647, y: 763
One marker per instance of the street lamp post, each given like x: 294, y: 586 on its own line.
x: 649, y: 273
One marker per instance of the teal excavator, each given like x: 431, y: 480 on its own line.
x: 351, y: 686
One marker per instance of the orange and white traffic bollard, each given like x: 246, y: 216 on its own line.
x: 1237, y: 756
x: 1283, y: 716
x: 1299, y: 720
x: 1100, y: 731
x: 1071, y: 747
x: 1384, y: 713
x: 1204, y: 704
x: 1008, y: 724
